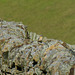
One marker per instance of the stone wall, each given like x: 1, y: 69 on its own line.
x: 26, y: 53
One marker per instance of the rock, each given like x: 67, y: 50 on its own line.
x: 26, y: 53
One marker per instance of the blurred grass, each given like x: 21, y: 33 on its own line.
x: 51, y: 18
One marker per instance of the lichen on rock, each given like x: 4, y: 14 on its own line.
x: 26, y: 53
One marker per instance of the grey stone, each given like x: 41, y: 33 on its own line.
x: 27, y: 53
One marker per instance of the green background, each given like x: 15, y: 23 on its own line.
x: 54, y: 19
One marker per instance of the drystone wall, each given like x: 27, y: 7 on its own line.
x: 26, y: 53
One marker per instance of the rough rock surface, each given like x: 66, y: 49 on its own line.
x: 26, y: 53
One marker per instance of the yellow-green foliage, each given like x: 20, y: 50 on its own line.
x: 52, y: 18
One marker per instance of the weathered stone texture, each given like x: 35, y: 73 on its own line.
x: 26, y: 53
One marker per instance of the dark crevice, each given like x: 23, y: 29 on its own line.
x: 40, y: 62
x: 71, y: 71
x: 27, y: 34
x: 50, y: 72
x: 19, y: 68
x: 13, y: 65
x: 34, y: 74
x: 8, y: 72
x: 5, y: 55
x: 72, y: 52
x: 5, y: 72
x: 34, y: 62
x: 28, y: 69
x: 44, y: 71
